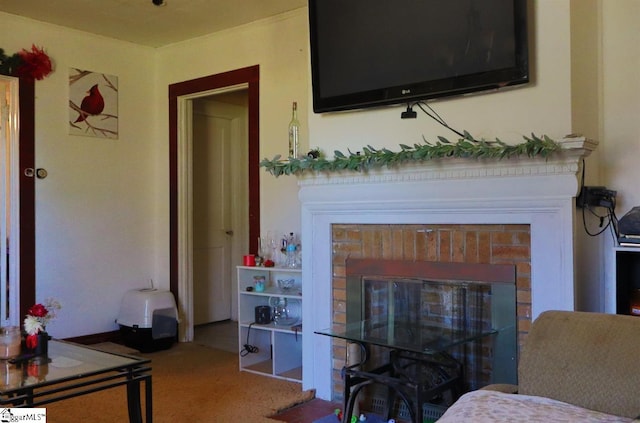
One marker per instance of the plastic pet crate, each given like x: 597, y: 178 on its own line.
x: 148, y: 319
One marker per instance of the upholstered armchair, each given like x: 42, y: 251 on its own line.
x: 581, y: 365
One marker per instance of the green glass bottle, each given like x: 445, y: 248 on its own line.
x: 294, y: 131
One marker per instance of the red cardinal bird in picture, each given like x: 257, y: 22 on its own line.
x: 92, y: 104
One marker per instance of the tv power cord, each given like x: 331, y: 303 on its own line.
x: 248, y: 348
x: 411, y: 114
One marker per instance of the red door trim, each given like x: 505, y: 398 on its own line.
x: 251, y: 76
x: 26, y: 98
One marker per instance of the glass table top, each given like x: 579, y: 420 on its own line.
x: 424, y: 337
x: 65, y: 361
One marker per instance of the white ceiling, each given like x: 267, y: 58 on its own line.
x: 141, y: 22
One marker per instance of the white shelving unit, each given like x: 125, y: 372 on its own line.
x: 279, y: 347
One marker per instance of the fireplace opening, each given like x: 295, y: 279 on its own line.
x: 419, y: 306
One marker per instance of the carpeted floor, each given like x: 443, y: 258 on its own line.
x: 191, y: 383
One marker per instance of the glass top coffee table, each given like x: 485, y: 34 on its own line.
x: 397, y: 334
x: 70, y: 370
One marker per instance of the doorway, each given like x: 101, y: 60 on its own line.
x: 219, y: 201
x: 181, y: 96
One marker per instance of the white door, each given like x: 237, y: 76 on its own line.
x: 217, y: 139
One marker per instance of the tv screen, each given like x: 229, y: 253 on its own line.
x: 367, y: 53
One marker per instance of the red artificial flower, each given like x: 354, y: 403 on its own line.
x: 35, y: 64
x: 38, y: 310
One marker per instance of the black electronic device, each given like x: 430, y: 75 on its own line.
x: 367, y: 53
x: 263, y: 315
x: 596, y: 197
x: 629, y: 226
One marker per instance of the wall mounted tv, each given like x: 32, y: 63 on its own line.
x: 367, y: 53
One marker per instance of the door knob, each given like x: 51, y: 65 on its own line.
x: 229, y: 232
x: 40, y: 173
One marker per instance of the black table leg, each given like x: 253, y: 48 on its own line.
x: 148, y: 399
x: 133, y: 400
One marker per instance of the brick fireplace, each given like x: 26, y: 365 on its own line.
x: 518, y: 211
x: 460, y: 244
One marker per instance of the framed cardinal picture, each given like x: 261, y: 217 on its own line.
x: 93, y: 104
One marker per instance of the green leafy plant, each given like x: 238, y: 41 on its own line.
x: 369, y: 157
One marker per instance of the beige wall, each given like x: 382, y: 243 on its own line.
x: 103, y: 211
x: 542, y: 107
x: 279, y: 47
x: 620, y: 115
x: 621, y: 102
x: 94, y: 212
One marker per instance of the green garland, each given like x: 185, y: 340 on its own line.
x: 466, y: 147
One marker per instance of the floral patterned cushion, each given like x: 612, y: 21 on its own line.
x: 486, y: 406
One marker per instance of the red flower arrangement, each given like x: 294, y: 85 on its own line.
x: 34, y: 64
x: 37, y: 318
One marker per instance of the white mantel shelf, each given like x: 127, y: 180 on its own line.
x: 565, y: 161
x: 536, y: 191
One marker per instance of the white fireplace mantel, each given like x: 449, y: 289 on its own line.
x: 535, y: 191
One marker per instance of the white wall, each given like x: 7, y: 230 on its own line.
x: 94, y: 212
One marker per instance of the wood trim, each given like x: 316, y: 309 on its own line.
x: 254, y: 162
x: 251, y: 76
x: 26, y: 96
x: 96, y: 338
x: 173, y: 194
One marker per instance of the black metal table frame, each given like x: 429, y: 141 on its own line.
x: 413, y: 391
x: 131, y: 375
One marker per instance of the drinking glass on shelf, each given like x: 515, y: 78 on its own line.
x: 274, y: 244
x: 260, y: 253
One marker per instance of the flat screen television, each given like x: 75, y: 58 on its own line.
x: 367, y: 53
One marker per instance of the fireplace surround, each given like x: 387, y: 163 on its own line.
x: 534, y: 192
